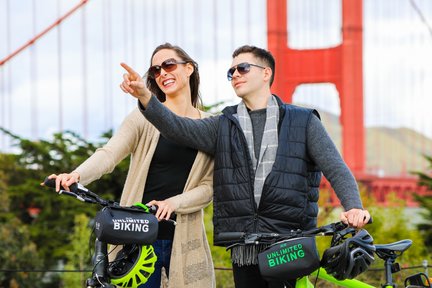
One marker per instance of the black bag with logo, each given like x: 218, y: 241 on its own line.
x: 289, y: 259
x: 126, y: 225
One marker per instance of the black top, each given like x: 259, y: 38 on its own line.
x: 167, y: 176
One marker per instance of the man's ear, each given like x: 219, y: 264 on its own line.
x: 267, y: 74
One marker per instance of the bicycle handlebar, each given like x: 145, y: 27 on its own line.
x: 268, y: 238
x: 83, y: 194
x: 78, y: 191
x: 256, y: 238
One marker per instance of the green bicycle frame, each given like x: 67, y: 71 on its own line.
x: 349, y: 283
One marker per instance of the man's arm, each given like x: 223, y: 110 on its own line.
x: 325, y: 154
x: 200, y: 134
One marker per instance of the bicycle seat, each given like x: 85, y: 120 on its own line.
x: 419, y: 280
x: 393, y: 250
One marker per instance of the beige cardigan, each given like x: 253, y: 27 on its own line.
x: 191, y: 263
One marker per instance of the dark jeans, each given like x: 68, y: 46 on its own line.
x: 250, y: 277
x: 163, y: 252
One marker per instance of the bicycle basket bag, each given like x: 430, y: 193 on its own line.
x: 289, y: 259
x: 126, y: 226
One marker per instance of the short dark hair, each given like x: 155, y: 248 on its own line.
x: 262, y: 54
x: 194, y: 80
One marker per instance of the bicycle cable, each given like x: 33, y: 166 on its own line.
x: 316, y: 278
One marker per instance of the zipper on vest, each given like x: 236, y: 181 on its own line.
x: 255, y: 221
x: 254, y: 204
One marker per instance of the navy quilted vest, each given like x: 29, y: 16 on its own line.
x: 290, y: 192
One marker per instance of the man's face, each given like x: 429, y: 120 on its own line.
x: 247, y: 81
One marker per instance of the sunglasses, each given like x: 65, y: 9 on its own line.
x: 242, y: 68
x: 168, y: 65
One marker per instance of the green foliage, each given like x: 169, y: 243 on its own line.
x: 18, y: 252
x: 50, y: 230
x: 425, y: 201
x: 78, y: 254
x: 214, y: 108
x: 221, y: 257
x: 4, y: 197
x: 389, y: 225
x: 425, y: 179
x: 426, y: 226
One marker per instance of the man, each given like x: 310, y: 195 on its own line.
x: 268, y: 158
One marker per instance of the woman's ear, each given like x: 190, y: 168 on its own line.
x: 190, y: 68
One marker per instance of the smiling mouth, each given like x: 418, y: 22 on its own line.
x: 167, y: 82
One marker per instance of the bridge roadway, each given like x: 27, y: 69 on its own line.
x: 381, y: 188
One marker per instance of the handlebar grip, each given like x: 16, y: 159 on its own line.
x: 229, y: 236
x: 153, y: 209
x: 51, y: 183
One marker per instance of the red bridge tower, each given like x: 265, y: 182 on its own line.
x: 343, y: 66
x: 340, y: 65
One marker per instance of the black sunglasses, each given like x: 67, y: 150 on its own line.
x: 168, y: 65
x: 242, y: 68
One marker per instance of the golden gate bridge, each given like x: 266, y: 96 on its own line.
x: 59, y: 67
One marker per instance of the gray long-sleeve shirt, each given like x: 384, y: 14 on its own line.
x: 202, y: 135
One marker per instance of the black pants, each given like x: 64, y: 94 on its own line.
x: 250, y: 277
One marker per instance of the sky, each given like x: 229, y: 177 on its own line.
x: 69, y: 79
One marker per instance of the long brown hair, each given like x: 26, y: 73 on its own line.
x: 194, y: 80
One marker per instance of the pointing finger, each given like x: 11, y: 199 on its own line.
x: 129, y: 70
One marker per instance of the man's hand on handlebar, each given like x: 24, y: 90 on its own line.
x: 356, y: 218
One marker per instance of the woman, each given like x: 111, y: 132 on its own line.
x: 175, y: 178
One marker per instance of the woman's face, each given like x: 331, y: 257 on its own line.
x: 175, y: 79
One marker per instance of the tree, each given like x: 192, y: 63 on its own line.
x: 425, y: 201
x: 17, y: 249
x: 49, y: 229
x: 78, y: 254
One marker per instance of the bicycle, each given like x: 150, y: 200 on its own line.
x: 135, y: 227
x: 338, y: 230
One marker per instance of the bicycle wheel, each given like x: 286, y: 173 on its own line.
x: 133, y: 266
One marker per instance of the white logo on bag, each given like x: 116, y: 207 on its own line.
x: 131, y: 224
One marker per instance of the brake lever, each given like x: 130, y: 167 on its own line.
x: 72, y: 194
x: 171, y: 221
x: 80, y: 196
x: 251, y: 239
x: 330, y: 228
